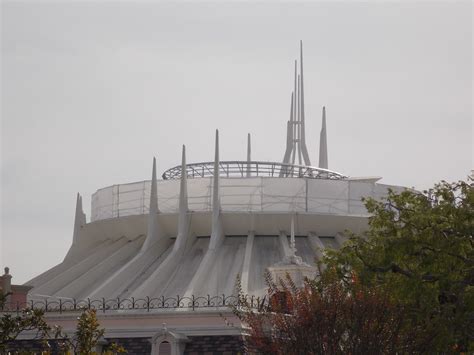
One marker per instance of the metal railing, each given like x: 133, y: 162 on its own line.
x: 252, y: 169
x: 133, y: 304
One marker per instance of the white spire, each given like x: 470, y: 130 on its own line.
x: 216, y: 233
x: 153, y: 230
x: 289, y: 134
x: 249, y: 153
x: 215, y: 191
x: 323, y: 144
x: 298, y: 127
x: 79, y: 218
x: 183, y: 221
x: 296, y: 136
x: 183, y: 191
x: 304, y: 150
x: 295, y: 116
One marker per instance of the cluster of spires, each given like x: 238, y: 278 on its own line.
x: 295, y: 147
x: 296, y: 135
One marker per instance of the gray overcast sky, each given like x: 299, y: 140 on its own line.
x: 91, y: 91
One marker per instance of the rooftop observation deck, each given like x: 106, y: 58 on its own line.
x: 242, y: 169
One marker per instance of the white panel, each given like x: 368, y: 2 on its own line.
x: 168, y: 195
x: 131, y: 199
x: 199, y: 194
x: 284, y: 194
x: 102, y: 204
x: 327, y: 196
x: 241, y: 194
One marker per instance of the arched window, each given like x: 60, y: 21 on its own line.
x: 165, y: 348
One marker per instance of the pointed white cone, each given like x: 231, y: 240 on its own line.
x: 183, y: 192
x: 183, y: 218
x: 249, y: 153
x: 302, y: 116
x: 216, y: 232
x: 289, y: 135
x: 79, y: 219
x: 323, y: 144
x: 298, y: 127
x: 153, y: 230
x: 215, y: 191
x: 295, y: 117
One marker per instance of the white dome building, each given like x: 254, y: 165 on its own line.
x: 170, y: 250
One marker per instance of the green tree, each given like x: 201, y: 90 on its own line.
x: 88, y: 332
x: 12, y: 324
x: 86, y: 337
x: 404, y: 286
x: 420, y: 249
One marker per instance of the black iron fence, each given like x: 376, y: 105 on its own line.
x: 147, y: 304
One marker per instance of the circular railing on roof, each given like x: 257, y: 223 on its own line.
x: 252, y: 169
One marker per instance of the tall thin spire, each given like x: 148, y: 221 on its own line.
x: 153, y: 230
x: 183, y: 191
x: 304, y: 150
x: 323, y: 144
x: 289, y: 134
x: 183, y: 218
x: 79, y: 218
x: 295, y: 115
x: 249, y: 153
x: 296, y: 137
x: 215, y: 189
x: 298, y: 127
x: 216, y: 232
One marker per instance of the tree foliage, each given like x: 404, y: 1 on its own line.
x: 420, y: 248
x: 404, y: 286
x: 87, y: 334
